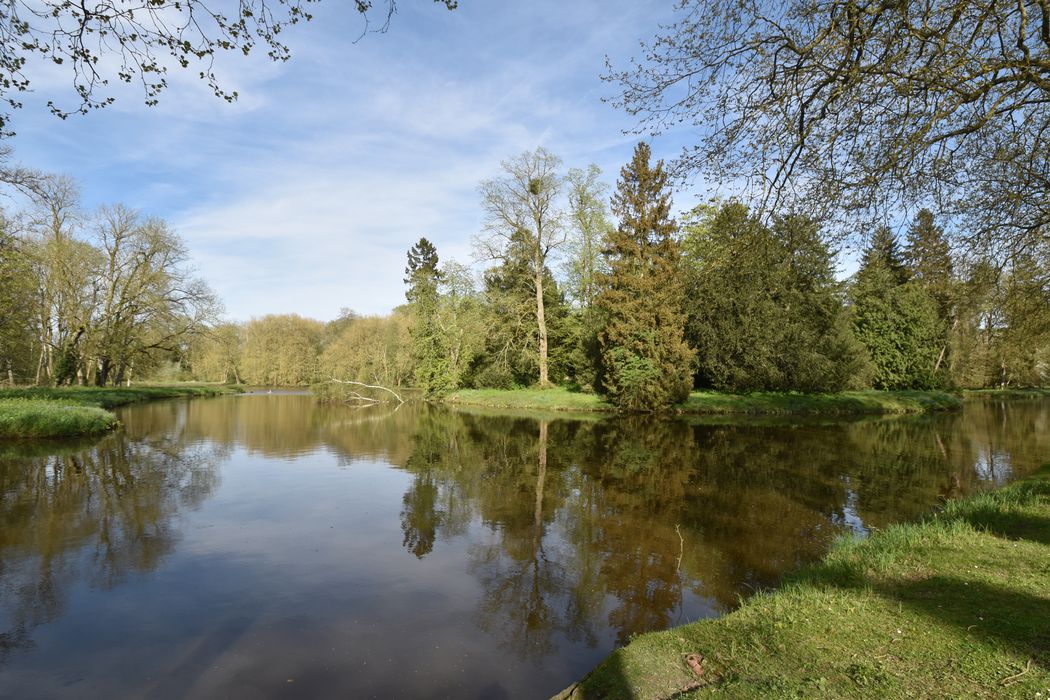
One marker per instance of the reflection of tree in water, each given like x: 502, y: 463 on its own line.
x: 98, y: 513
x: 604, y: 524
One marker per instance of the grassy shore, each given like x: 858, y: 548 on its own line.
x: 37, y: 412
x: 956, y: 606
x: 1006, y: 393
x: 759, y: 403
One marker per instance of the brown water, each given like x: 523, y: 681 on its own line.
x: 270, y: 546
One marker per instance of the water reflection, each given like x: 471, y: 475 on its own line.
x: 71, y: 512
x: 536, y: 543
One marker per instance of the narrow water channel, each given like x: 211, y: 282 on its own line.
x: 269, y: 546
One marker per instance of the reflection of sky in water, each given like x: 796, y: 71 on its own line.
x: 850, y: 518
x: 256, y: 546
x: 995, y: 466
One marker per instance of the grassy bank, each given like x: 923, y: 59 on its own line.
x: 759, y: 403
x: 37, y: 412
x: 957, y: 606
x: 1006, y: 393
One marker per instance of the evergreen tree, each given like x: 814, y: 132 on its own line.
x: 896, y: 320
x: 929, y: 259
x: 647, y: 364
x: 765, y: 311
x: 429, y: 352
x: 884, y: 250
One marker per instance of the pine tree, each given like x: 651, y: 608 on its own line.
x: 895, y: 319
x: 884, y: 250
x: 646, y: 362
x: 429, y: 352
x: 930, y: 259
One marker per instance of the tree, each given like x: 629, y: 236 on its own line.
x: 859, y: 108
x: 897, y: 323
x: 522, y: 214
x: 884, y: 251
x: 16, y: 303
x: 929, y: 259
x: 512, y: 341
x: 148, y: 301
x: 112, y: 41
x: 765, y: 310
x: 281, y: 350
x: 647, y: 363
x: 429, y: 352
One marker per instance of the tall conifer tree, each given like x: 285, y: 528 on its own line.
x: 646, y: 361
x: 429, y: 351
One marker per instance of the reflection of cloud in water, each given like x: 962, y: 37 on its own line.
x: 849, y: 517
x: 995, y: 466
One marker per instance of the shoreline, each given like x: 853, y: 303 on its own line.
x: 715, y: 403
x: 50, y: 412
x: 952, y: 606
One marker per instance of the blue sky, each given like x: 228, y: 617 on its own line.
x: 304, y: 195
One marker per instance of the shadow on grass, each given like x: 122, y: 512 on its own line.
x: 1013, y: 526
x: 1012, y: 619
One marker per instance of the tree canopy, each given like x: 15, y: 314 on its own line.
x: 862, y: 108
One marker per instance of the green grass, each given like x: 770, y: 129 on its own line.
x: 1031, y: 393
x: 759, y: 403
x: 956, y: 606
x: 37, y: 412
x: 35, y: 418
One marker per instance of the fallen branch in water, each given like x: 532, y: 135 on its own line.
x: 358, y: 396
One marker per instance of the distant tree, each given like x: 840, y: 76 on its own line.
x: 429, y: 350
x: 111, y: 41
x: 765, y: 310
x: 372, y: 349
x: 852, y: 109
x: 647, y: 363
x: 282, y: 350
x: 522, y: 214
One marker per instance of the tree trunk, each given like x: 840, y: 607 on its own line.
x: 541, y: 322
x: 102, y: 376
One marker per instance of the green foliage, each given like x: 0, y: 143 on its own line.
x: 429, y: 352
x: 511, y: 345
x: 896, y: 320
x: 765, y: 310
x: 646, y: 361
x: 373, y: 350
x: 281, y: 350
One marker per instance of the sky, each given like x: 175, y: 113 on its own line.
x: 304, y: 195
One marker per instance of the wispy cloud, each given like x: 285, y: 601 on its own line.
x: 306, y: 194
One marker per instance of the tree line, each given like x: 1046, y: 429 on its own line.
x: 611, y: 294
x: 92, y: 297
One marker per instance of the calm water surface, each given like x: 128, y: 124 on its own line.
x: 270, y: 546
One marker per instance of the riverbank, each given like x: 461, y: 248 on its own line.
x: 1006, y: 393
x: 37, y: 412
x: 758, y: 403
x: 956, y: 606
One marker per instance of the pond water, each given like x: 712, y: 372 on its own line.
x: 266, y: 546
